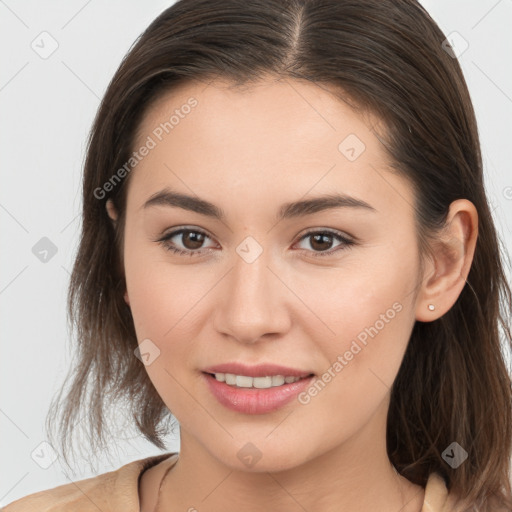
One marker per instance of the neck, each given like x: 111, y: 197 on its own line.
x: 355, y: 476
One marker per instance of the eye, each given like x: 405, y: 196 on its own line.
x: 192, y: 239
x: 320, y: 239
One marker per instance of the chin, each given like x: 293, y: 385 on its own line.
x: 253, y: 457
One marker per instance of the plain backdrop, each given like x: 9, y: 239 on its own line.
x: 47, y: 106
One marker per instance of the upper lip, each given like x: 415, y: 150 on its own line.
x: 259, y: 370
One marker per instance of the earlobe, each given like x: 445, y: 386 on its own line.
x: 452, y: 254
x: 111, y: 210
x: 126, y: 298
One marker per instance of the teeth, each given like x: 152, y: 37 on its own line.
x: 243, y: 381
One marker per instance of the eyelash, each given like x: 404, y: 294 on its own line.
x: 165, y: 242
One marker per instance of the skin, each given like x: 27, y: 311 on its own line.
x: 249, y: 151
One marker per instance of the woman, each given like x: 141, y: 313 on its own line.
x: 287, y: 244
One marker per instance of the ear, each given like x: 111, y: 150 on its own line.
x: 111, y: 210
x: 452, y: 254
x: 112, y: 213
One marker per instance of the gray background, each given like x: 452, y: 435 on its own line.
x: 47, y: 107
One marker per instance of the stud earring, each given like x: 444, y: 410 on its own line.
x: 431, y: 307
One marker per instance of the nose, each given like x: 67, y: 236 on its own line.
x: 252, y: 302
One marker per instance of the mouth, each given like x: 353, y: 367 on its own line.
x: 261, y: 382
x: 260, y: 394
x: 255, y: 389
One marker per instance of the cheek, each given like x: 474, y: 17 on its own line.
x: 165, y: 301
x: 162, y: 295
x: 372, y: 318
x: 367, y: 312
x: 169, y: 304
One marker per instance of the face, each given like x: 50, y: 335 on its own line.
x: 325, y: 290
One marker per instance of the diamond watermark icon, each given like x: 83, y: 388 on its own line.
x: 147, y: 352
x: 249, y: 249
x: 44, y: 45
x: 455, y: 45
x: 44, y: 250
x: 249, y: 454
x: 351, y: 147
x: 454, y: 455
x: 44, y: 455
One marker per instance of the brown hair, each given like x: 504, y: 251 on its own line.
x: 387, y: 56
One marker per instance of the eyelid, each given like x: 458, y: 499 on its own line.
x: 165, y: 240
x: 347, y: 240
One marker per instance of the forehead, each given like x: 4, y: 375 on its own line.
x: 292, y: 109
x: 286, y: 137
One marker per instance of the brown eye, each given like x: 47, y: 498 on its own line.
x: 321, y: 242
x: 191, y: 240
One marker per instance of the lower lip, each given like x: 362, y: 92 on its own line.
x: 253, y: 400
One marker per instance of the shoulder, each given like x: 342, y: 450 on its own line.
x: 115, y: 490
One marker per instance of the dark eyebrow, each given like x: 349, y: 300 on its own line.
x: 167, y: 197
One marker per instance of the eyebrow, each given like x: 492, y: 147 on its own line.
x: 170, y: 198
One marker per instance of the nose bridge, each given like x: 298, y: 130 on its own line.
x: 251, y: 305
